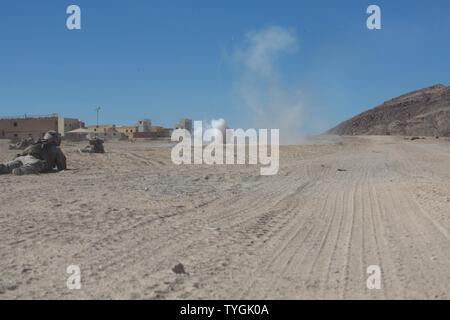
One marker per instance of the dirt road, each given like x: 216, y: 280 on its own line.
x: 336, y: 207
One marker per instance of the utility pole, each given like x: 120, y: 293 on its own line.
x: 98, y: 110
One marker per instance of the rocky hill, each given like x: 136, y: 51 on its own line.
x: 424, y: 112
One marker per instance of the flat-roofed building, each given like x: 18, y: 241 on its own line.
x: 106, y: 132
x: 68, y: 124
x: 129, y: 131
x: 102, y: 128
x: 16, y: 128
x: 161, y: 132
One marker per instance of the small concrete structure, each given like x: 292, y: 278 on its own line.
x: 144, y: 125
x: 184, y: 124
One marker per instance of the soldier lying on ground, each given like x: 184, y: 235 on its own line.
x: 42, y: 156
x: 95, y: 146
x: 22, y: 144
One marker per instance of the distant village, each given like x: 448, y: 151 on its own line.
x: 25, y: 127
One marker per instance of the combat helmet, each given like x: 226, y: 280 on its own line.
x: 52, y: 137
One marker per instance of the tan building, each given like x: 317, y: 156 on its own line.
x: 102, y: 128
x: 16, y: 128
x: 105, y: 131
x: 129, y: 131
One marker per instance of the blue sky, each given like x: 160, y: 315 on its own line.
x: 165, y: 60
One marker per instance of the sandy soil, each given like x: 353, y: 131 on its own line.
x: 129, y: 216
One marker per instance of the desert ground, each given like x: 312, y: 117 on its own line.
x: 337, y: 206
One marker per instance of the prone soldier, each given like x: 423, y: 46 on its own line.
x: 42, y: 156
x: 95, y: 146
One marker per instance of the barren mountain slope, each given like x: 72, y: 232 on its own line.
x: 424, y: 112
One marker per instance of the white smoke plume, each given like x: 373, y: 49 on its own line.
x: 219, y: 125
x: 260, y: 86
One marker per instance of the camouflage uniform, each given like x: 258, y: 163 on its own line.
x: 42, y: 156
x: 22, y: 144
x: 95, y: 146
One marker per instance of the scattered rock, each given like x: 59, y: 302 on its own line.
x: 179, y: 269
x: 7, y: 285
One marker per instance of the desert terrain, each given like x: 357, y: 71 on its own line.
x: 128, y: 217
